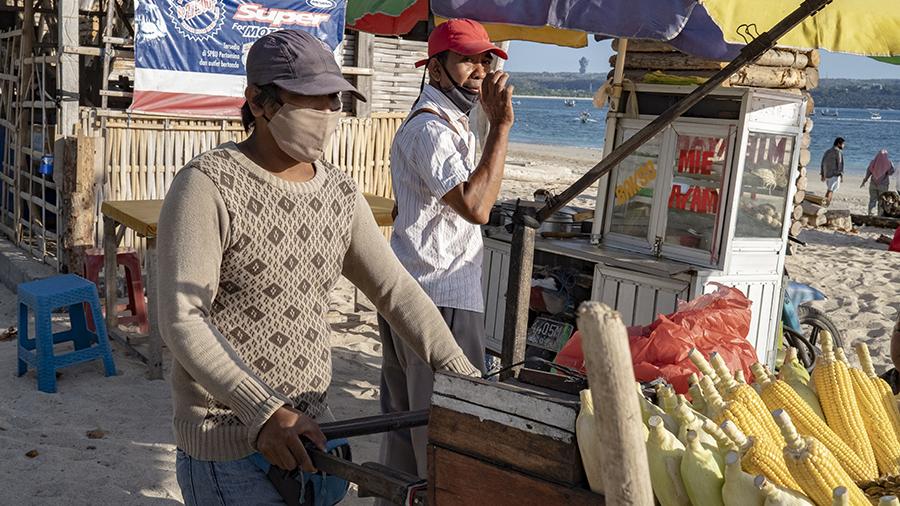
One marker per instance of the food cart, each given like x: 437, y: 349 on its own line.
x: 705, y: 201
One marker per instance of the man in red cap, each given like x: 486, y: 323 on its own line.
x: 443, y: 196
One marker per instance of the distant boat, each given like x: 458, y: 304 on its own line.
x: 569, y: 102
x: 827, y: 112
x: 517, y: 102
x: 874, y: 115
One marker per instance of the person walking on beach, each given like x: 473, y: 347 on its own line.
x: 879, y: 177
x: 443, y: 195
x: 252, y: 238
x: 832, y: 170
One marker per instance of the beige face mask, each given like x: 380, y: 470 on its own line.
x: 303, y: 133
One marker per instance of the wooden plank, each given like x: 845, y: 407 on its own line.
x: 455, y: 479
x: 501, y: 443
x: 875, y: 221
x: 528, y: 404
x: 141, y: 215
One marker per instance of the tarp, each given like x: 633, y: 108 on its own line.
x: 190, y: 54
x: 385, y: 19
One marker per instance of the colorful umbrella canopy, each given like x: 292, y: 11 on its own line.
x: 712, y: 29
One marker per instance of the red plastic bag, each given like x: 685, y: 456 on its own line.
x: 895, y: 244
x: 715, y: 322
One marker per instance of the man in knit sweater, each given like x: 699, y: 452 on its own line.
x: 252, y: 238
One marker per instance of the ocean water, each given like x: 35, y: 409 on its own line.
x: 549, y: 121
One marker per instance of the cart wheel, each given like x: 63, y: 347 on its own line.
x: 813, y: 321
x: 806, y: 352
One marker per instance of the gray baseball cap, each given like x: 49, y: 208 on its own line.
x: 298, y: 62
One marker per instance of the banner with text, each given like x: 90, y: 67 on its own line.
x: 190, y: 54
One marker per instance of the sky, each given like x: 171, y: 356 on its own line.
x: 549, y: 58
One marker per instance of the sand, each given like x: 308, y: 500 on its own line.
x: 133, y: 461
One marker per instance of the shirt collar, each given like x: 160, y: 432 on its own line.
x: 432, y: 97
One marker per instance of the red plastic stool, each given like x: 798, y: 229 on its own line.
x: 128, y: 258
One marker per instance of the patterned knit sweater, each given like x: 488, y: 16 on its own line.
x: 246, y: 263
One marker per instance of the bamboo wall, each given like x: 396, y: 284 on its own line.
x: 396, y: 83
x: 142, y: 154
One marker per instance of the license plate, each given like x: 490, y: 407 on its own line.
x: 549, y: 334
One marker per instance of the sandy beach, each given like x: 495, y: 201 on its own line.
x: 50, y: 458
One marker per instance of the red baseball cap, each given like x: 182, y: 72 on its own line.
x: 462, y: 36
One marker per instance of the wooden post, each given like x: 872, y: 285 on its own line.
x: 110, y: 272
x: 626, y: 477
x: 77, y: 198
x: 23, y: 128
x: 518, y: 292
x: 154, y: 340
x: 365, y: 58
x: 67, y: 68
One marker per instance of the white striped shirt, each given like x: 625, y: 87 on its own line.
x: 431, y: 155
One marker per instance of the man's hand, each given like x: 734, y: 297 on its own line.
x: 279, y: 440
x: 496, y: 99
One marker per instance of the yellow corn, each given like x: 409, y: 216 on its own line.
x: 878, y: 424
x: 737, y: 412
x: 774, y: 495
x: 761, y: 457
x: 814, y: 467
x: 885, y: 394
x: 832, y: 382
x: 744, y: 394
x: 778, y: 395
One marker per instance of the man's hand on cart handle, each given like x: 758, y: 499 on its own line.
x: 279, y: 439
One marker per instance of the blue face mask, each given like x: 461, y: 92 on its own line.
x: 462, y: 98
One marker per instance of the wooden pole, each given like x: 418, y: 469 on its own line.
x: 77, y: 200
x: 365, y: 58
x: 626, y: 475
x: 518, y: 292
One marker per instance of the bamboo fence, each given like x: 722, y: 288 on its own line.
x: 142, y: 154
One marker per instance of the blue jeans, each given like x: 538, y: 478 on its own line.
x: 234, y: 482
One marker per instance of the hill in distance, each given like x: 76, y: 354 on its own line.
x: 853, y: 93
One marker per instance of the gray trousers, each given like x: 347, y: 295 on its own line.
x: 407, y: 381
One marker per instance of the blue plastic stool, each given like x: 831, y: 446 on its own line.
x: 43, y: 297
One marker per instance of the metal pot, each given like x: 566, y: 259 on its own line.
x: 562, y: 221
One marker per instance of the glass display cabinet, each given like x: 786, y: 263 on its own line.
x: 706, y: 201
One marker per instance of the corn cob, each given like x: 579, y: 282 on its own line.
x: 736, y: 411
x: 889, y: 500
x: 761, y: 457
x: 689, y: 420
x: 778, y: 395
x: 589, y: 445
x: 664, y: 454
x: 702, y: 477
x: 792, y: 370
x: 832, y: 382
x: 814, y: 467
x: 739, y: 377
x: 840, y: 497
x: 723, y: 442
x: 665, y: 395
x: 885, y: 394
x: 649, y: 409
x: 697, y: 399
x: 877, y: 422
x: 746, y: 395
x: 739, y: 488
x: 777, y: 496
x: 790, y: 374
x: 703, y: 365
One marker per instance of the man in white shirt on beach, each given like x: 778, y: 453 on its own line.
x: 443, y: 196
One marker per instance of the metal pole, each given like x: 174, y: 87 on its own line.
x: 748, y: 54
